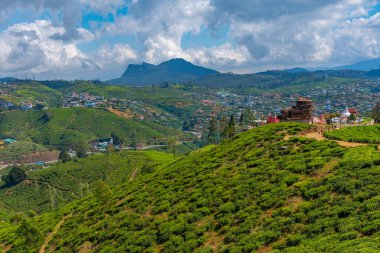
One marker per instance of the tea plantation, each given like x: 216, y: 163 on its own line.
x: 365, y: 134
x: 256, y: 192
x: 76, y: 127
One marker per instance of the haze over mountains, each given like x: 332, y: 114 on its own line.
x: 181, y: 71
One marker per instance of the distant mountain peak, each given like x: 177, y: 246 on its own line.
x: 175, y: 70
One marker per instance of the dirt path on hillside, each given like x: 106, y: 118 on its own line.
x: 346, y: 144
x: 133, y: 174
x: 46, y: 156
x: 55, y: 231
x: 127, y: 115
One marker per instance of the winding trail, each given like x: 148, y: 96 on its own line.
x: 133, y: 174
x: 346, y: 144
x: 52, y: 233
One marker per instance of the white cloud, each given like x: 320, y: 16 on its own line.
x: 119, y: 53
x: 262, y: 34
x: 31, y: 48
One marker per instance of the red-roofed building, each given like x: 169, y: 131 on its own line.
x: 272, y: 119
x: 354, y: 111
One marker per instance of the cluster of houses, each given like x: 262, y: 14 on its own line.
x: 8, y: 106
x: 84, y: 99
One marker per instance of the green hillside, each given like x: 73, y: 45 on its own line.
x: 32, y: 92
x: 257, y: 192
x: 76, y: 127
x: 365, y: 134
x: 47, y: 189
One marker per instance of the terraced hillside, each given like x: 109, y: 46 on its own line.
x: 76, y: 127
x: 364, y: 134
x: 49, y: 188
x: 256, y: 192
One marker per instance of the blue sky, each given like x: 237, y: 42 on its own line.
x: 99, y: 38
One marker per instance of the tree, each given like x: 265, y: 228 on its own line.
x: 231, y: 127
x: 102, y: 191
x: 82, y: 153
x: 213, y: 128
x: 117, y: 140
x: 172, y: 143
x: 31, y: 235
x: 16, y: 175
x: 134, y: 140
x: 241, y: 120
x: 351, y: 118
x: 64, y: 156
x: 39, y: 106
x: 224, y: 127
x: 375, y: 114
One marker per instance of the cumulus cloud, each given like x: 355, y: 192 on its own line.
x: 119, y: 53
x: 68, y: 9
x: 30, y: 48
x: 261, y: 34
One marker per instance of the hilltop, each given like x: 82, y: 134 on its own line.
x: 260, y: 191
x: 173, y: 71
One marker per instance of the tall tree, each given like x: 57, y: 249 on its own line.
x: 376, y: 112
x: 213, y: 128
x: 231, y: 127
x: 224, y: 127
x: 248, y: 116
x: 172, y: 143
x: 241, y: 120
x: 117, y: 140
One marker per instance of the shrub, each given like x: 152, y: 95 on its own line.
x: 102, y: 191
x: 228, y: 207
x: 16, y: 175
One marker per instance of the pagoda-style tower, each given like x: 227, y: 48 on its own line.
x: 302, y: 111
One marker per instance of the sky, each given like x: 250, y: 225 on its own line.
x: 97, y: 39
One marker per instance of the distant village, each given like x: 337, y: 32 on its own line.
x: 343, y: 104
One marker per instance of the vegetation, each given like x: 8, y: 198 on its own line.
x: 364, y: 134
x: 33, y: 91
x: 50, y: 188
x: 16, y: 175
x: 74, y: 128
x: 255, y: 192
x: 375, y: 113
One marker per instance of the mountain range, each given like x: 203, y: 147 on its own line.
x: 181, y: 71
x: 367, y: 65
